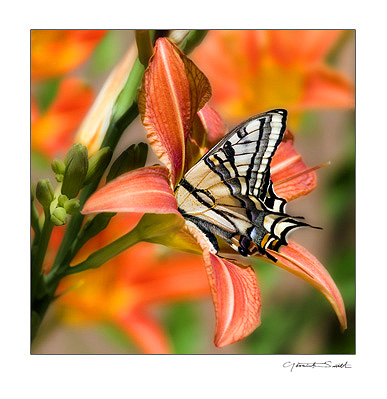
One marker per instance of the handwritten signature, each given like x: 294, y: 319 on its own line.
x: 327, y: 364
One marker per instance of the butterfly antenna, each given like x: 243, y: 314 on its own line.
x: 301, y: 173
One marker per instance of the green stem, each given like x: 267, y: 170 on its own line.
x: 35, y: 222
x: 192, y: 40
x: 104, y: 254
x: 39, y: 254
x: 73, y: 227
x: 144, y: 46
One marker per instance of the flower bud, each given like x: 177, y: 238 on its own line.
x: 58, y: 217
x: 62, y: 199
x: 58, y: 167
x: 72, y: 206
x: 97, y: 164
x: 70, y: 153
x: 44, y: 192
x: 76, y: 170
x: 132, y: 158
x: 59, y: 178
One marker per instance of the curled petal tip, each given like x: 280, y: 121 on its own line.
x: 300, y: 262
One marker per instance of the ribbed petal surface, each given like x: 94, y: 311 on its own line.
x: 144, y: 190
x: 172, y: 92
x: 212, y: 123
x: 285, y: 164
x: 236, y: 299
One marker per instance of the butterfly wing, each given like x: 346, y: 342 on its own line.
x: 229, y: 193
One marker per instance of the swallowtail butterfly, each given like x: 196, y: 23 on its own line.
x: 228, y: 193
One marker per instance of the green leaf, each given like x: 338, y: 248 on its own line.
x: 45, y: 92
x: 132, y: 158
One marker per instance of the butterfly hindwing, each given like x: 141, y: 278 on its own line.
x: 229, y: 193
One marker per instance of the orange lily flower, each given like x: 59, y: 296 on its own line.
x: 255, y: 70
x: 174, y: 90
x: 56, y: 52
x: 54, y: 130
x: 124, y: 290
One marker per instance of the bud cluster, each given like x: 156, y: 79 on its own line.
x: 75, y: 172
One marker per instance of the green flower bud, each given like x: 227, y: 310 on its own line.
x: 58, y: 167
x: 62, y: 199
x: 97, y: 164
x: 58, y: 217
x: 73, y: 149
x: 44, y: 192
x: 59, y: 178
x: 132, y: 158
x: 76, y: 170
x: 72, y: 206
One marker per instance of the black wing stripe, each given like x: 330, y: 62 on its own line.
x: 229, y: 193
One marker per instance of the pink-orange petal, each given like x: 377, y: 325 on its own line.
x: 164, y: 104
x: 221, y: 57
x: 285, y: 164
x: 327, y: 88
x: 144, y: 190
x: 145, y: 332
x: 178, y: 277
x: 212, y: 123
x: 56, y: 52
x: 200, y: 88
x: 300, y: 262
x: 302, y: 46
x: 53, y: 132
x: 236, y: 299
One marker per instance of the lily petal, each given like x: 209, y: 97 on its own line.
x: 212, y: 123
x: 176, y: 277
x: 236, y: 298
x: 145, y: 332
x: 144, y: 190
x: 168, y: 115
x: 53, y: 131
x: 325, y: 87
x: 55, y: 52
x: 285, y: 164
x: 93, y: 129
x: 235, y: 294
x: 300, y: 262
x: 303, y: 46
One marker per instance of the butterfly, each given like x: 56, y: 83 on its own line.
x: 228, y: 193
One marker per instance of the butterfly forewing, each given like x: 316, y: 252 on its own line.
x: 229, y: 193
